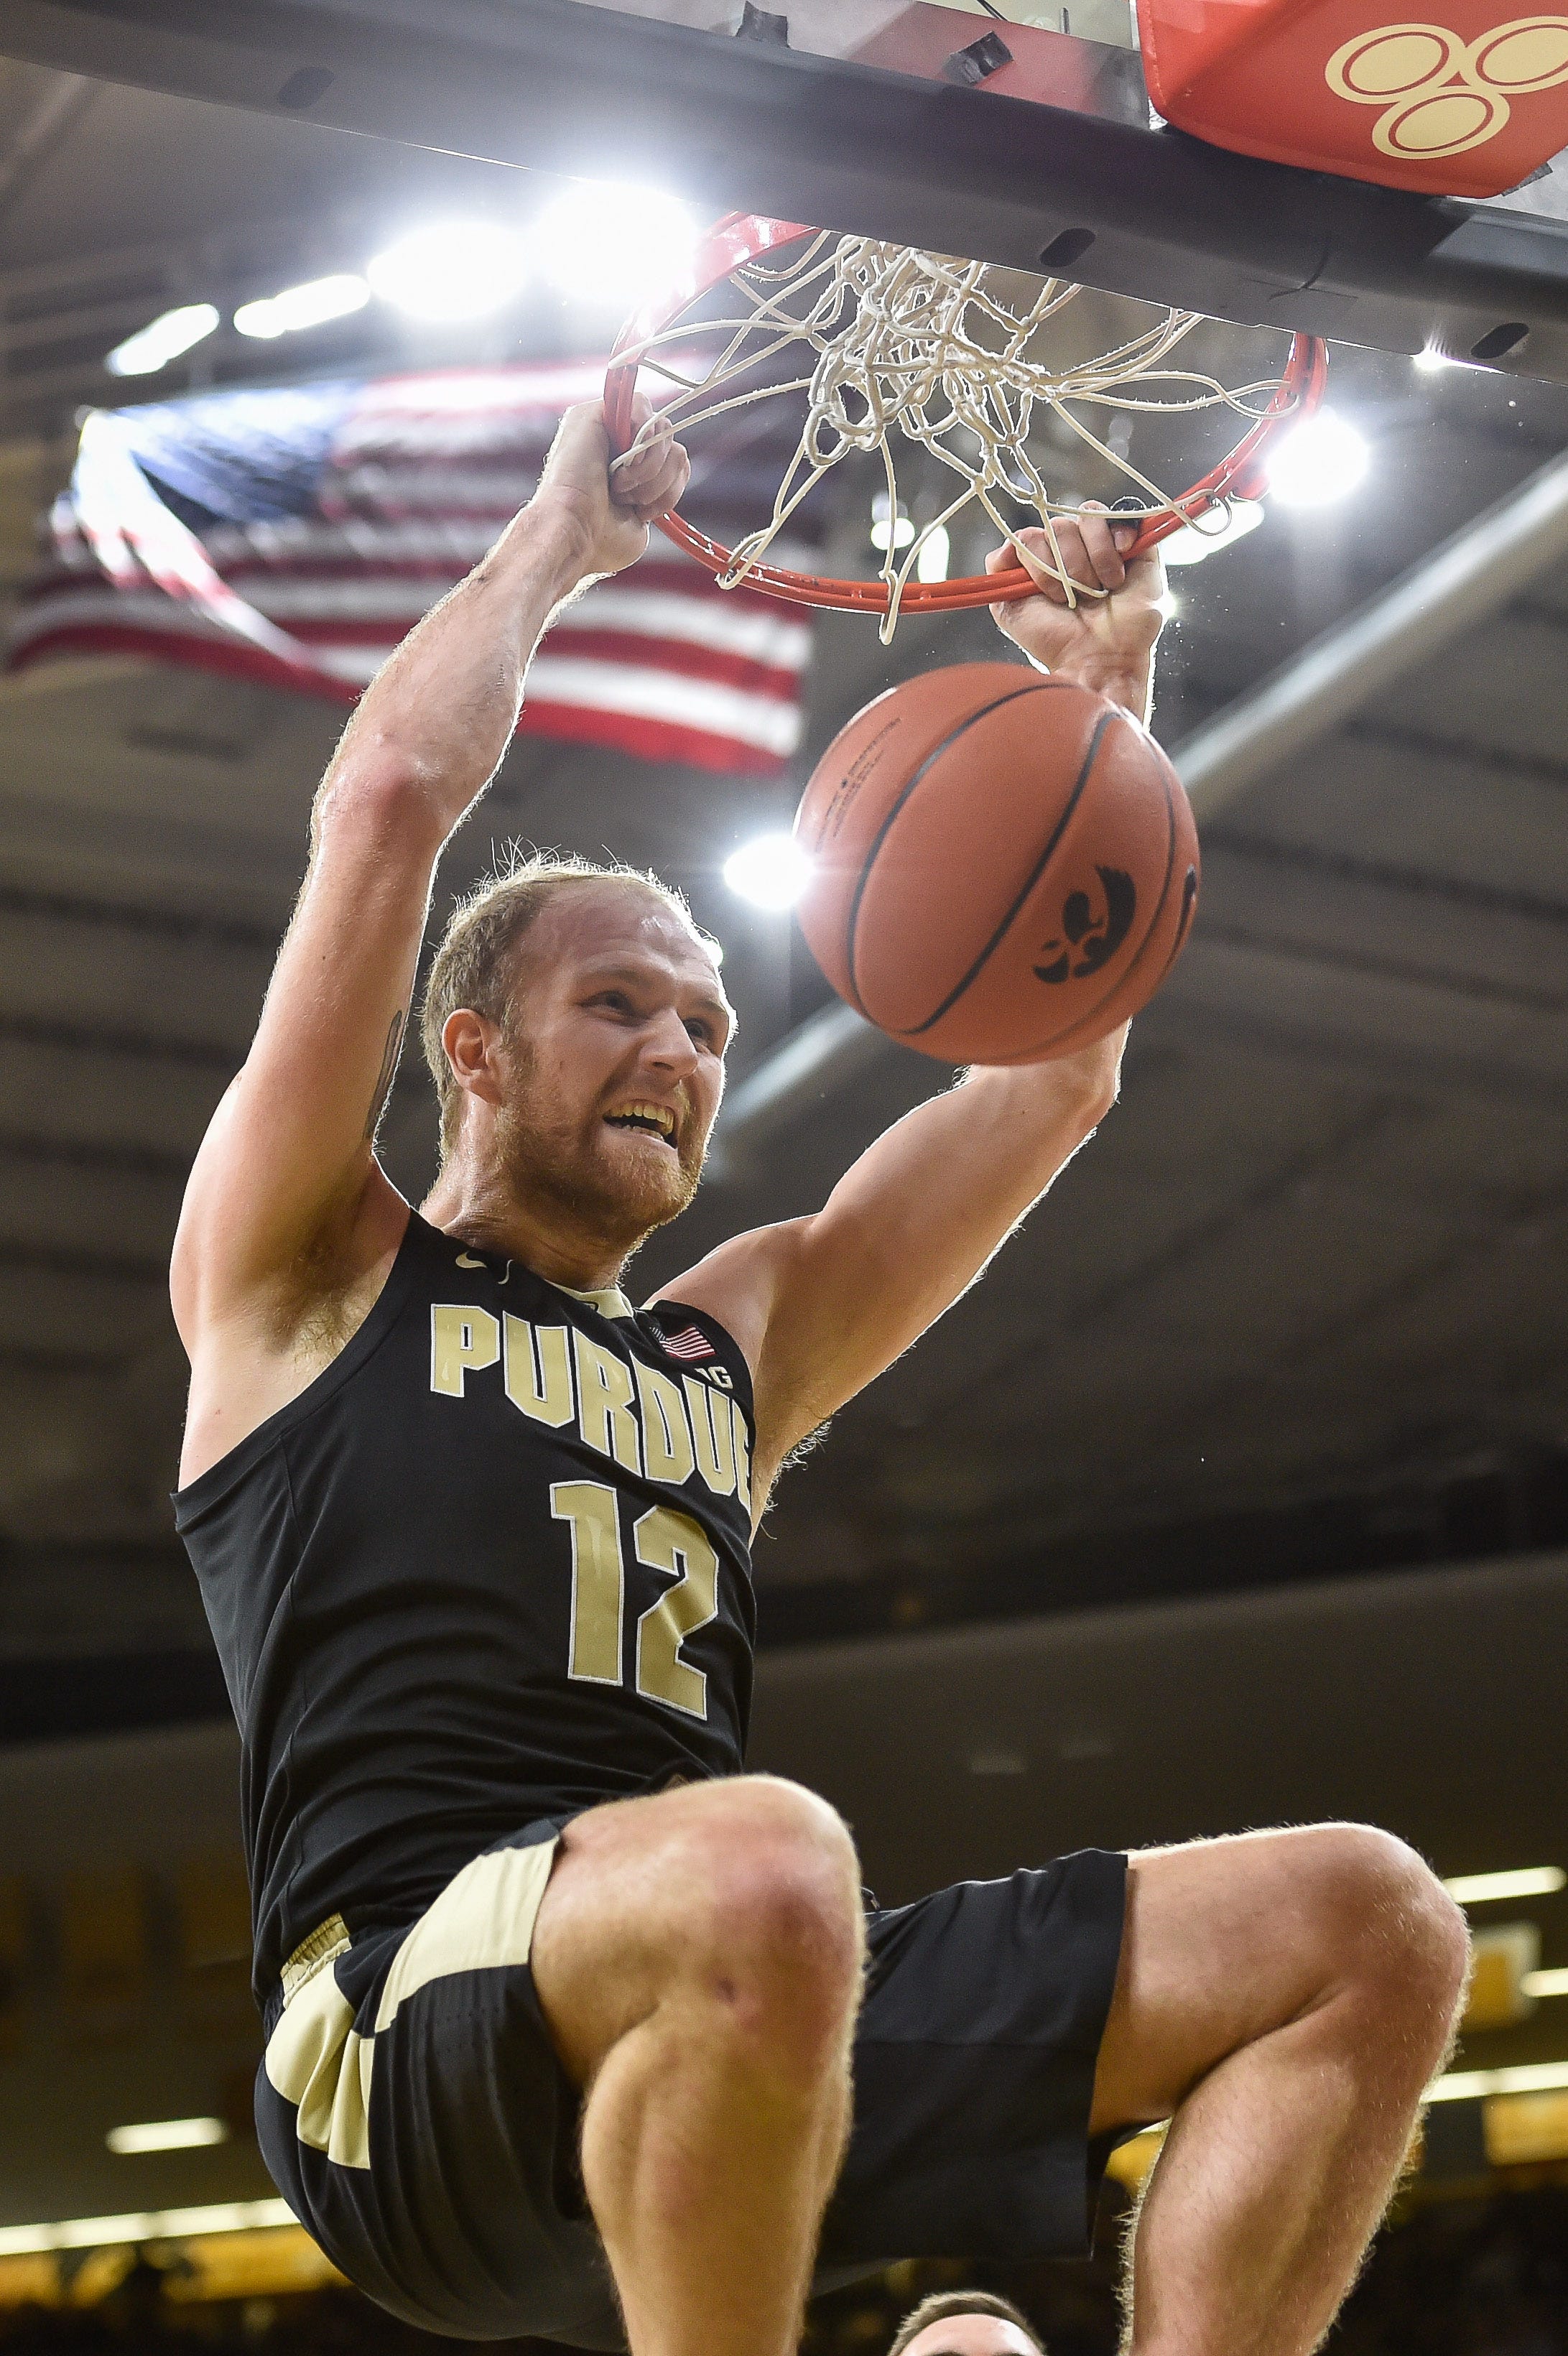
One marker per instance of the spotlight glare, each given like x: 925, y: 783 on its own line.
x: 451, y: 270
x: 310, y: 305
x: 1194, y: 542
x: 166, y: 2135
x: 771, y: 871
x: 153, y: 346
x: 604, y: 244
x: 936, y: 555
x: 1319, y: 461
x: 888, y: 530
x: 1431, y: 360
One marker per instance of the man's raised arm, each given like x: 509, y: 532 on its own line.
x: 285, y: 1203
x: 821, y: 1305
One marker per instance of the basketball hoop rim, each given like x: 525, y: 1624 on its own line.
x: 739, y: 238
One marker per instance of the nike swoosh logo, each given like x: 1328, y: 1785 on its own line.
x: 467, y: 1260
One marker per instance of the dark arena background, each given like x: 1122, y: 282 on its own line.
x: 1237, y: 1494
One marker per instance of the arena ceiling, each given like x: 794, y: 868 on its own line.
x: 1298, y: 1309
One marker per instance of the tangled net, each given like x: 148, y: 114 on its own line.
x: 918, y: 345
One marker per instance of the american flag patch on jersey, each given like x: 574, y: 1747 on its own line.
x: 691, y: 1341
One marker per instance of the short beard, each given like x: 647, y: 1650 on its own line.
x: 544, y: 1161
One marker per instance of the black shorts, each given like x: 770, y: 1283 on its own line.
x: 413, y: 2114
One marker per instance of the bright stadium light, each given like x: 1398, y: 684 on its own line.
x: 609, y: 245
x: 1516, y: 2078
x: 452, y: 270
x: 152, y: 348
x: 144, y: 2225
x: 1517, y: 1881
x: 1194, y: 542
x: 310, y: 305
x: 1319, y: 461
x: 888, y: 530
x: 166, y: 2135
x: 771, y: 872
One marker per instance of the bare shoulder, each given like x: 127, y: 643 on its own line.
x: 738, y: 1283
x: 253, y: 1353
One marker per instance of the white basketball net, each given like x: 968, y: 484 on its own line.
x: 917, y: 342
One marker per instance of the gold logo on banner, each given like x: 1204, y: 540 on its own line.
x: 1441, y: 95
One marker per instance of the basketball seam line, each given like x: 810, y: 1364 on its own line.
x: 1031, y: 687
x: 1106, y: 721
x: 1183, y: 924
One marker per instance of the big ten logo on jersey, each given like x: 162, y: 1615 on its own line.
x: 629, y: 1411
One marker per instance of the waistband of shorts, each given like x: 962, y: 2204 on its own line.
x: 318, y: 1949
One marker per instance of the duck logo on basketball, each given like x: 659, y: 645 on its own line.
x: 1091, y: 936
x: 1442, y: 95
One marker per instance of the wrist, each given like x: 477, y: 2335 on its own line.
x: 1129, y: 684
x: 558, y: 535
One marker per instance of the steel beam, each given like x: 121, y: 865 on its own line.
x: 41, y: 131
x: 829, y: 1048
x: 1469, y: 578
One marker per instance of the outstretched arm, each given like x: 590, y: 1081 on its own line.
x: 286, y: 1203
x: 822, y: 1305
x: 1104, y: 641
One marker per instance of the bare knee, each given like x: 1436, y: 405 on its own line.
x: 775, y: 1935
x: 1393, y: 1939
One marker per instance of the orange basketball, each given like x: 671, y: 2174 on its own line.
x: 1005, y: 866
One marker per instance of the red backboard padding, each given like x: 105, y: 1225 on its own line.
x: 1466, y: 103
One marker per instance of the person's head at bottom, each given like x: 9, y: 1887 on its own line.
x: 965, y: 2323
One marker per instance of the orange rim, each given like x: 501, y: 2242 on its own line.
x: 740, y: 238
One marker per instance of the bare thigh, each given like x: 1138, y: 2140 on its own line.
x: 1227, y: 1940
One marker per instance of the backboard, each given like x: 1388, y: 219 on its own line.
x: 891, y: 120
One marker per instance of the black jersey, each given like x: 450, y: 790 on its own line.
x: 492, y: 1565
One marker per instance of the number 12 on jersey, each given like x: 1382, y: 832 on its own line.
x: 662, y: 1540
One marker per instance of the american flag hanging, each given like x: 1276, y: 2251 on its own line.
x: 294, y: 534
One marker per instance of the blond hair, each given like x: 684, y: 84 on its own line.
x: 942, y: 2305
x: 476, y: 965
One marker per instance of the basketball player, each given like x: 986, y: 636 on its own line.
x: 559, y: 2005
x: 965, y: 2323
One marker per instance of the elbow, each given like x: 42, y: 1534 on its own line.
x: 1095, y: 1076
x: 1066, y: 1098
x: 1097, y: 1102
x: 382, y: 796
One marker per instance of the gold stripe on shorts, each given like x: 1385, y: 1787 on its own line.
x: 316, y: 2058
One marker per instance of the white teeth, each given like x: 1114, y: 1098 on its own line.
x: 658, y: 1115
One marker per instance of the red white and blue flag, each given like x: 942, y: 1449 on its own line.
x: 294, y: 534
x: 691, y: 1341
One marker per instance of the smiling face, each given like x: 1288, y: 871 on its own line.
x: 610, y: 1063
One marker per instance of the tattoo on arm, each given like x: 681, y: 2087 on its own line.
x: 386, y: 1075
